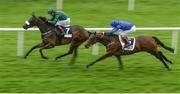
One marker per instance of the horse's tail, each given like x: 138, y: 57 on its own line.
x: 162, y: 45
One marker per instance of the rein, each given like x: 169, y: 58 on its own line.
x: 47, y: 32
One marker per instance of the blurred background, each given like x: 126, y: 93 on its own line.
x: 142, y: 72
x: 147, y: 13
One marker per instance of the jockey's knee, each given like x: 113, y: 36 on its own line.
x: 122, y: 34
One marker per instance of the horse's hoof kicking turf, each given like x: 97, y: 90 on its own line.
x: 45, y: 57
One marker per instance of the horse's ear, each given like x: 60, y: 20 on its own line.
x: 33, y: 14
x: 94, y: 33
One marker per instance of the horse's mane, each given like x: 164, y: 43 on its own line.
x: 45, y: 20
x: 116, y: 37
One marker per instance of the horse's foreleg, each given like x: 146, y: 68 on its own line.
x: 47, y: 46
x: 99, y: 59
x: 34, y: 47
x: 119, y: 62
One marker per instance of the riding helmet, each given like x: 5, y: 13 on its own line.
x: 51, y: 10
x: 114, y: 23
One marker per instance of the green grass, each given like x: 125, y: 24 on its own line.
x: 142, y: 72
x: 151, y: 13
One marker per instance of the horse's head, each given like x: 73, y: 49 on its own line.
x: 31, y: 22
x: 94, y: 37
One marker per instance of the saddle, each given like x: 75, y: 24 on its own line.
x: 132, y: 42
x: 66, y: 32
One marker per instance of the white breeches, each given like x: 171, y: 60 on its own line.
x: 124, y: 33
x: 65, y: 23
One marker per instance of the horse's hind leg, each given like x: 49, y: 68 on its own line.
x: 160, y: 57
x: 68, y: 53
x: 165, y: 57
x: 164, y: 46
x: 34, y: 47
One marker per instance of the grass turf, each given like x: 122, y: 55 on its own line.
x: 142, y: 73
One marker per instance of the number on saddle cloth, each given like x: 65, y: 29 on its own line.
x: 64, y: 32
x: 131, y: 41
x: 68, y: 32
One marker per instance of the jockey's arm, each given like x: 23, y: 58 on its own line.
x: 113, y: 30
x: 53, y: 20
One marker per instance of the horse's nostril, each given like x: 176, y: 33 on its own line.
x: 25, y: 27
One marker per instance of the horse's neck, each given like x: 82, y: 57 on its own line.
x: 43, y: 27
x: 105, y: 40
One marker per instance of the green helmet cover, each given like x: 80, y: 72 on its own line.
x: 50, y: 10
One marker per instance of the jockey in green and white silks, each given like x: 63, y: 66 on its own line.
x: 59, y: 18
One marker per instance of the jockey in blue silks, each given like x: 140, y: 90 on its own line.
x: 125, y: 28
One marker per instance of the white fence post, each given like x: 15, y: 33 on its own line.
x: 131, y: 5
x: 59, y: 4
x: 175, y: 41
x: 20, y: 43
x: 95, y: 48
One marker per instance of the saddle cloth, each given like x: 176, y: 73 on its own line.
x: 131, y: 40
x: 68, y: 32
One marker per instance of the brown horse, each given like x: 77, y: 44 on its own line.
x: 113, y: 47
x: 50, y: 38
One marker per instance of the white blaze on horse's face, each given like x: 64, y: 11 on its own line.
x: 27, y: 23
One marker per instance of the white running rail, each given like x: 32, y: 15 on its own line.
x: 20, y: 40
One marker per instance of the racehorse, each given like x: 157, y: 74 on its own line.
x: 113, y: 47
x: 50, y: 38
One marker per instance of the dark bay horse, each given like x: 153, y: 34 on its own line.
x: 50, y: 38
x: 113, y: 47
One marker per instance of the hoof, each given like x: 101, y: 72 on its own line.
x: 169, y: 69
x: 56, y: 58
x: 87, y: 66
x: 45, y: 57
x: 121, y: 68
x: 25, y: 57
x: 170, y: 62
x: 71, y: 63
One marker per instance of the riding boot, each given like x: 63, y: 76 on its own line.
x: 126, y: 42
x: 61, y: 29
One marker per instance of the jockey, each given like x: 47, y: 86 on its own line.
x: 125, y: 28
x: 59, y: 19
